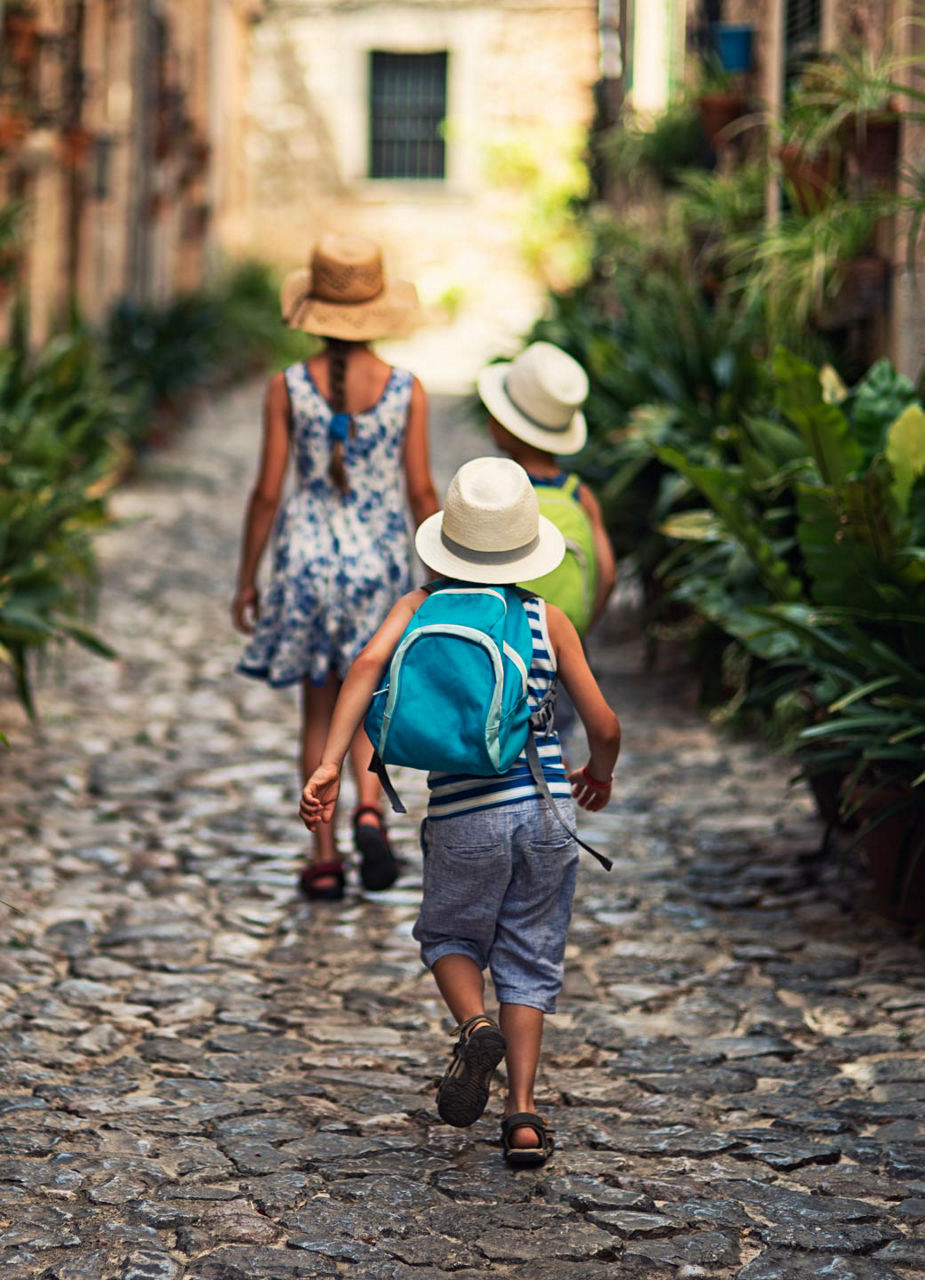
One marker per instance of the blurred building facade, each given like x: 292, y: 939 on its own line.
x: 425, y: 124
x: 118, y: 119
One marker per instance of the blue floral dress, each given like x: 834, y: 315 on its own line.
x: 340, y: 561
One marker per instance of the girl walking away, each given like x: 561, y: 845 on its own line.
x: 500, y: 858
x: 357, y: 429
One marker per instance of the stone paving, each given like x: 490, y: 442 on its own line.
x: 202, y: 1078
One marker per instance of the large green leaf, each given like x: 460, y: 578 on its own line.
x: 824, y: 427
x: 726, y: 493
x: 905, y: 450
x: 848, y: 540
x: 878, y: 399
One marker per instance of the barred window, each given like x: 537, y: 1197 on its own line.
x: 407, y: 109
x: 802, y: 32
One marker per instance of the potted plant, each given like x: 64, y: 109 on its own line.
x: 810, y: 159
x: 857, y: 287
x: 720, y: 101
x: 857, y: 96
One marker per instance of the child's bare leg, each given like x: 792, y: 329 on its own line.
x: 523, y: 1030
x: 461, y: 985
x: 317, y: 709
x: 369, y: 791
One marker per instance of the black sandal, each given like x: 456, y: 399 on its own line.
x: 526, y: 1157
x: 378, y: 868
x: 315, y: 871
x: 462, y: 1094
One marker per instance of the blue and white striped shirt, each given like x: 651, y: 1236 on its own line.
x: 454, y: 793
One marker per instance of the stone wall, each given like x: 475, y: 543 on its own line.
x: 125, y: 122
x: 520, y: 78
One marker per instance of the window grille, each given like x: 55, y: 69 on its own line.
x: 407, y: 110
x: 802, y: 32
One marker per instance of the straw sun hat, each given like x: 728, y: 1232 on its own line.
x: 344, y: 294
x: 538, y: 398
x: 490, y: 529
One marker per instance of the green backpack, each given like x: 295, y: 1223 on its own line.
x: 572, y: 585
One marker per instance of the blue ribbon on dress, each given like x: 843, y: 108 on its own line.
x: 339, y: 426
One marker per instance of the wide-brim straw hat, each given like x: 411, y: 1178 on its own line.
x: 344, y: 293
x: 538, y: 398
x: 490, y: 529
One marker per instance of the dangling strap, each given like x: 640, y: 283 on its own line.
x: 541, y: 723
x: 377, y: 767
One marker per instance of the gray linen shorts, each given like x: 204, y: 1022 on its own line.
x: 498, y: 887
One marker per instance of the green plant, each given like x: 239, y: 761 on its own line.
x: 787, y: 273
x: 810, y: 556
x: 728, y: 204
x: 58, y: 426
x: 679, y: 383
x: 546, y: 171
x: 852, y: 84
x: 663, y: 148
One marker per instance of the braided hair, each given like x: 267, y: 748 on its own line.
x: 338, y: 351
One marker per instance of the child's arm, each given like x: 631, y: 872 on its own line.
x: 320, y: 793
x: 591, y: 786
x: 603, y: 552
x: 422, y: 497
x: 263, y: 502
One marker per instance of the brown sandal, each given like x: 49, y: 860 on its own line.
x: 526, y: 1157
x: 462, y: 1094
x: 315, y: 871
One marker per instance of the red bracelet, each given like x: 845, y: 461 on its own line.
x: 593, y: 782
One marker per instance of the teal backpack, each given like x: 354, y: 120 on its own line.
x: 572, y: 585
x: 455, y: 698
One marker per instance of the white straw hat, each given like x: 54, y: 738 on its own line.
x: 538, y: 398
x: 490, y: 529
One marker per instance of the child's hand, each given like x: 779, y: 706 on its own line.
x: 320, y: 796
x: 587, y: 791
x: 245, y: 609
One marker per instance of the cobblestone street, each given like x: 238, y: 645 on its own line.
x: 204, y: 1078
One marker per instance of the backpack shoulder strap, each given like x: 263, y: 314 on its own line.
x: 539, y: 778
x: 572, y: 485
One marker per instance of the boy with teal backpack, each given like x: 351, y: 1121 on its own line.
x: 460, y: 679
x: 535, y: 407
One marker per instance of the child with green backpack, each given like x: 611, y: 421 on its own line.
x: 535, y: 406
x: 461, y: 679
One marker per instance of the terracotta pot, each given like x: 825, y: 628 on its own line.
x: 873, y: 141
x: 810, y: 178
x: 718, y: 111
x: 894, y: 851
